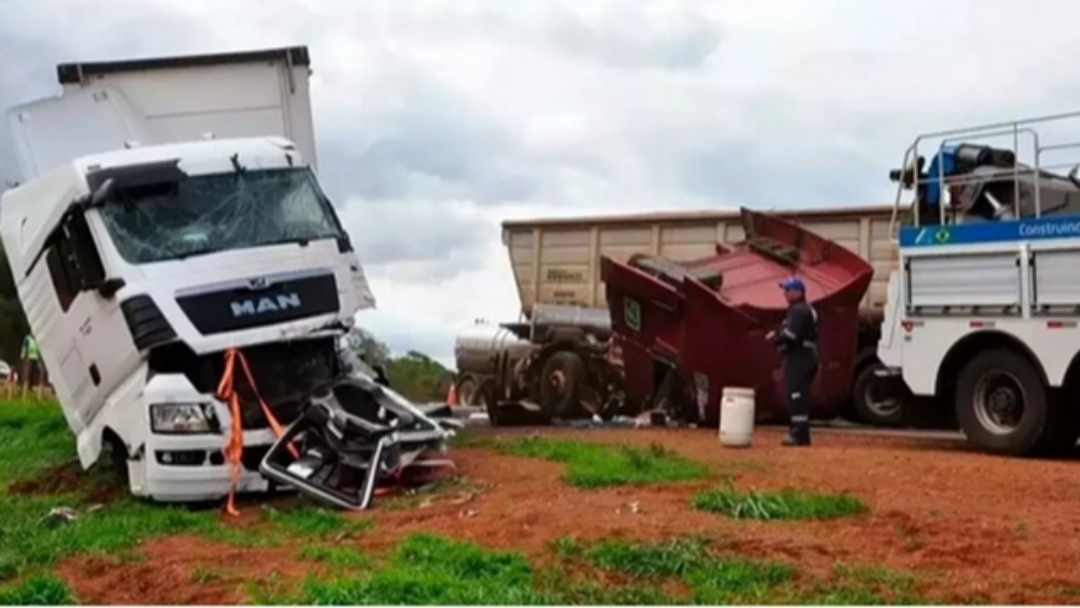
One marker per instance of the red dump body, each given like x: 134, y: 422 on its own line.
x: 708, y: 318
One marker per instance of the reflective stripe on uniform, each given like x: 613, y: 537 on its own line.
x: 800, y: 418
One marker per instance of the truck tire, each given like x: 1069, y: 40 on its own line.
x: 1004, y: 407
x: 485, y: 398
x: 870, y: 402
x: 466, y: 391
x: 561, y: 383
x: 115, y: 456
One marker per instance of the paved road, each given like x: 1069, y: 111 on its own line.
x: 476, y: 417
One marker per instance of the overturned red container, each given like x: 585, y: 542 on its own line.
x: 688, y: 330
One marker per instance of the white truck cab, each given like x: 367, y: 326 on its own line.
x: 170, y: 211
x: 983, y: 313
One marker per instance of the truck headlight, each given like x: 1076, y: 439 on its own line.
x: 182, y: 418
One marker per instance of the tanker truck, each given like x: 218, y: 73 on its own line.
x: 560, y: 353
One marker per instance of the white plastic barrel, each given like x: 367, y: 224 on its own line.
x: 736, y: 416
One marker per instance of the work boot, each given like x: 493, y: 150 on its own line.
x: 798, y: 436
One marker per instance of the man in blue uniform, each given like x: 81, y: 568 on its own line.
x: 797, y: 341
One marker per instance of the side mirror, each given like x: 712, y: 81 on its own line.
x: 1073, y: 175
x: 109, y: 287
x: 344, y: 244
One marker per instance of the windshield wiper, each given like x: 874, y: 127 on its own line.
x: 302, y: 241
x: 195, y: 252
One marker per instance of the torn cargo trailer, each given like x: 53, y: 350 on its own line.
x: 170, y: 215
x: 556, y: 265
x: 688, y: 330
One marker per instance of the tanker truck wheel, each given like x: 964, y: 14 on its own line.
x: 877, y: 401
x: 1005, y: 408
x: 485, y: 398
x: 562, y: 381
x: 466, y: 391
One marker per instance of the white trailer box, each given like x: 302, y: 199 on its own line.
x: 107, y: 106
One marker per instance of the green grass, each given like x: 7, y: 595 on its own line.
x: 594, y: 465
x: 786, y: 504
x: 422, y: 569
x: 28, y: 543
x: 429, y: 570
x: 676, y: 557
x: 35, y: 438
x: 865, y: 585
x: 712, y: 577
x: 37, y: 590
x: 337, y: 557
x: 309, y: 521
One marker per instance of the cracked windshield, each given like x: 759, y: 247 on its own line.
x: 208, y: 213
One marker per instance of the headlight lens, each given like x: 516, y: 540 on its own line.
x: 182, y: 418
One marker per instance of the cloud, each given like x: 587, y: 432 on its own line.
x: 437, y: 119
x: 421, y: 241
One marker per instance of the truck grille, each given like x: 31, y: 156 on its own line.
x: 286, y: 373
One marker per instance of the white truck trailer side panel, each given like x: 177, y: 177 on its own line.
x: 157, y: 101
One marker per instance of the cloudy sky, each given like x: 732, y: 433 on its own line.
x: 436, y: 120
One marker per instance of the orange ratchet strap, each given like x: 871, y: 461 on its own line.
x: 226, y: 392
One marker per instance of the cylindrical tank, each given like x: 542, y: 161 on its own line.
x: 474, y: 350
x: 737, y: 416
x: 596, y: 319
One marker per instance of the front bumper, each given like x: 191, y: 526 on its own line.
x: 192, y: 468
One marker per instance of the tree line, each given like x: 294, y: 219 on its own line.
x: 414, y: 374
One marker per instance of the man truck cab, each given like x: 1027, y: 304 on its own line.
x: 170, y: 211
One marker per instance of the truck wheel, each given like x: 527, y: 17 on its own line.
x: 1004, y: 407
x: 561, y: 382
x: 485, y: 398
x: 874, y: 400
x: 466, y: 391
x: 115, y: 456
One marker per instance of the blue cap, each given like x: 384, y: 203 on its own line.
x: 793, y: 283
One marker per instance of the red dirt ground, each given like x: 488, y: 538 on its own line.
x: 972, y: 527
